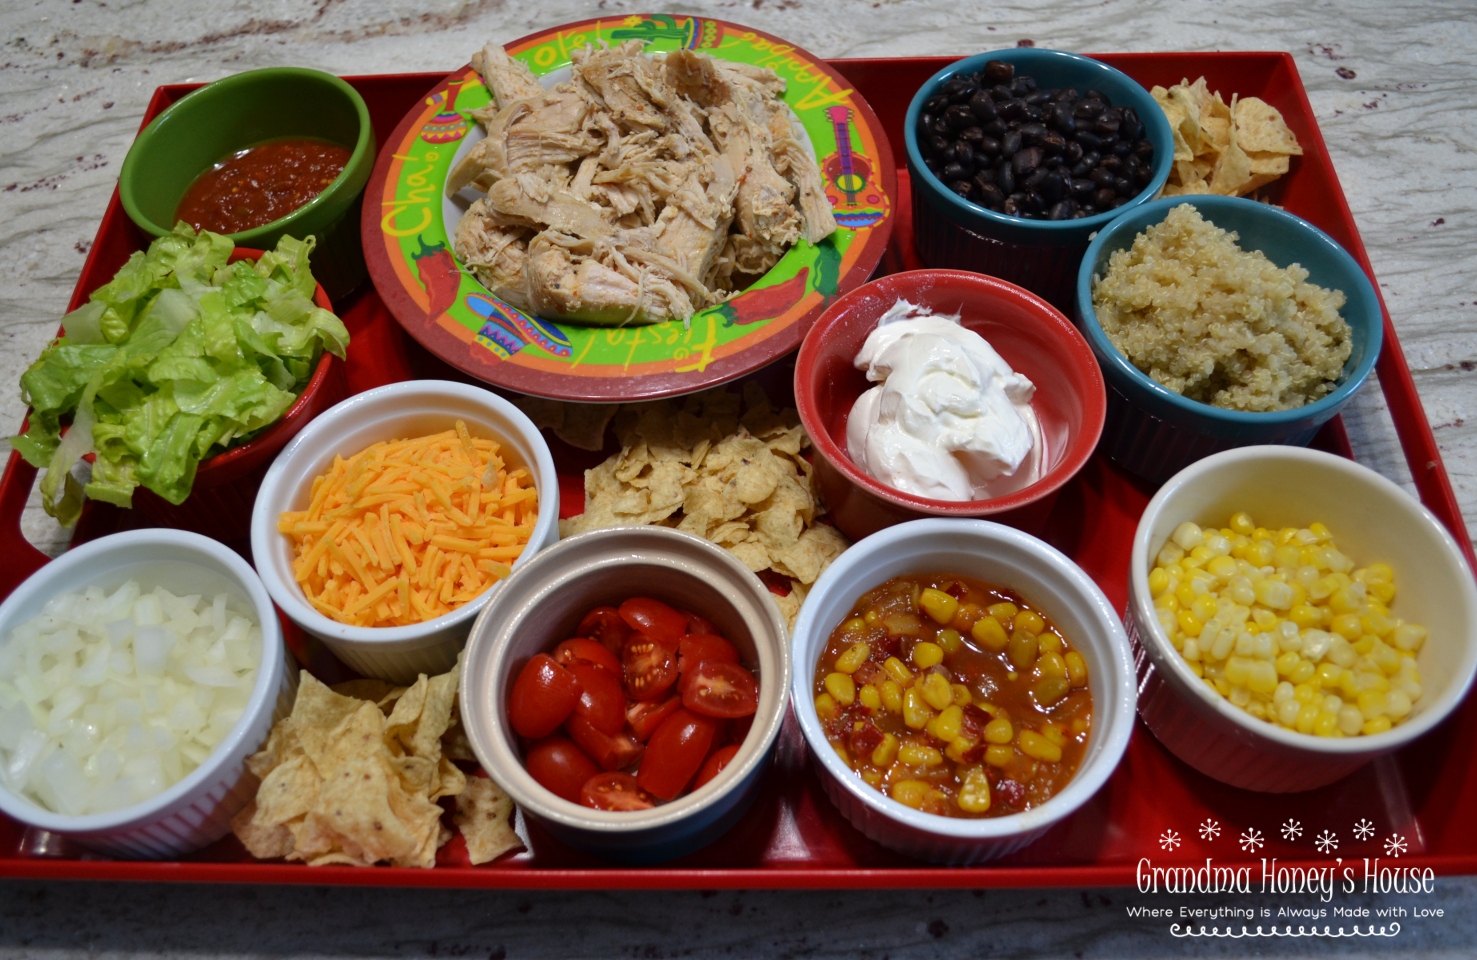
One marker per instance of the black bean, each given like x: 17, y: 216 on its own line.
x: 1005, y: 177
x: 1122, y: 149
x: 962, y: 187
x: 1088, y: 109
x: 983, y: 175
x: 1026, y: 84
x: 1001, y: 92
x: 984, y: 161
x: 983, y: 105
x: 1062, y: 119
x: 1054, y: 143
x: 988, y: 146
x: 995, y: 128
x: 1062, y: 210
x: 1010, y: 143
x: 1124, y: 186
x: 1144, y: 149
x: 999, y: 71
x: 1131, y: 163
x: 1038, y: 98
x: 1010, y: 109
x: 1032, y: 133
x: 1011, y: 208
x: 1053, y: 187
x: 1081, y: 168
x: 937, y: 146
x: 990, y: 195
x: 1091, y: 157
x: 1104, y: 126
x: 1033, y: 202
x: 964, y: 92
x: 1073, y: 153
x: 1100, y: 176
x: 1082, y: 189
x: 1091, y: 94
x: 932, y: 164
x: 1103, y: 198
x: 964, y: 154
x: 958, y: 117
x: 1131, y: 131
x: 956, y: 171
x: 1064, y: 93
x: 936, y: 103
x: 1033, y: 114
x: 1111, y: 162
x: 1088, y: 139
x: 972, y: 134
x: 1120, y: 202
x: 1142, y: 176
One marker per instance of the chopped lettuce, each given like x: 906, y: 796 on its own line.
x: 178, y: 357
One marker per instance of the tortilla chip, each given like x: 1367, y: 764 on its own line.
x: 1232, y: 170
x: 484, y: 815
x: 1230, y: 150
x: 1261, y: 127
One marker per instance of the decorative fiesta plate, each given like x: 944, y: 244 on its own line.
x: 408, y: 222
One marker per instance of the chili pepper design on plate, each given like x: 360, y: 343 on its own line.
x: 440, y: 276
x: 755, y: 305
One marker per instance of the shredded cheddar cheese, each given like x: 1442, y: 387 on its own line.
x: 408, y: 530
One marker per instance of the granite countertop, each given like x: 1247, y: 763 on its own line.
x: 1390, y: 84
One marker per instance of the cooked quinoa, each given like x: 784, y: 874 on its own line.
x: 1219, y: 324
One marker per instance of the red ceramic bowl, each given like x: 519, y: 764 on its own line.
x: 221, y: 500
x: 1028, y: 333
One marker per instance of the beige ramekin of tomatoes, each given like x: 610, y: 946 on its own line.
x: 626, y: 688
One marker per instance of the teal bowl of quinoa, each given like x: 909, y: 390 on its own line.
x: 1155, y: 431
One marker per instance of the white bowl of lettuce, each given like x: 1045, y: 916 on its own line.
x: 175, y: 385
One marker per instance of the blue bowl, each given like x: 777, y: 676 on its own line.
x: 1153, y: 431
x: 1040, y: 255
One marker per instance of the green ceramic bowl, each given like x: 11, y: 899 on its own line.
x: 242, y: 111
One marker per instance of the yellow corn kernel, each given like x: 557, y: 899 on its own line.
x: 826, y: 708
x: 842, y: 687
x: 936, y: 691
x: 1029, y: 621
x: 1037, y: 747
x: 1241, y: 523
x: 1049, y: 690
x: 947, y: 725
x: 1168, y: 602
x: 1327, y: 725
x: 1408, y: 636
x: 1022, y: 650
x: 872, y: 617
x: 927, y: 655
x: 950, y: 640
x: 974, y: 792
x: 840, y: 749
x: 967, y: 616
x: 885, y: 752
x: 911, y: 793
x: 1306, y: 717
x: 1076, y: 668
x: 872, y: 777
x: 1158, y: 581
x: 1263, y: 677
x: 1303, y: 672
x: 1223, y: 567
x: 961, y: 694
x: 856, y: 625
x: 918, y: 755
x: 958, y: 750
x: 1204, y: 607
x: 988, y: 632
x: 939, y: 605
x: 1049, y: 643
x: 1189, y: 624
x: 1054, y: 733
x: 999, y: 755
x: 1004, y: 611
x: 1052, y: 665
x: 854, y: 657
x: 916, y: 711
x: 1185, y: 594
x: 892, y: 696
x: 1329, y: 674
x: 999, y: 730
x: 870, y: 697
x: 1305, y: 615
x: 897, y: 671
x: 1383, y: 592
x: 1377, y: 725
x: 1347, y: 625
x: 1373, y: 703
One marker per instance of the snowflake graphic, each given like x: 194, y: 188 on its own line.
x: 1395, y: 846
x: 1251, y: 840
x: 1291, y: 830
x: 1209, y: 830
x: 1327, y: 842
x: 1363, y: 829
x: 1169, y: 840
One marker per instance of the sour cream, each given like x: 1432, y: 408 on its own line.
x: 949, y: 419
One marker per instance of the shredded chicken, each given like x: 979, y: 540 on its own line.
x: 642, y: 189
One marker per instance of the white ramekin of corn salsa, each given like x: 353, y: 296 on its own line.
x: 1300, y: 615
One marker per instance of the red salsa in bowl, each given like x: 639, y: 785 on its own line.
x: 260, y: 184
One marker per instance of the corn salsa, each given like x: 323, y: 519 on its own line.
x: 954, y: 696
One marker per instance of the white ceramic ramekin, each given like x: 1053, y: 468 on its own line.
x: 1372, y: 520
x: 540, y: 606
x: 1008, y: 558
x: 197, y: 810
x: 408, y: 409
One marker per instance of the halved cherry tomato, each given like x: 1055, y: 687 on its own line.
x: 543, y: 695
x: 615, y: 791
x: 650, y: 666
x: 655, y: 619
x: 610, y: 752
x: 560, y: 767
x: 578, y: 648
x: 644, y: 716
x: 696, y: 624
x: 602, y: 701
x: 718, y: 689
x: 715, y: 763
x: 605, y: 626
x: 674, y: 753
x: 697, y: 647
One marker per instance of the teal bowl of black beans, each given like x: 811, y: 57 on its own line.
x: 1017, y: 157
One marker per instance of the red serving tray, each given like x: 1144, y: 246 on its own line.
x: 793, y: 836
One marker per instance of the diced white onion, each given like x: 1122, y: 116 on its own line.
x: 108, y: 699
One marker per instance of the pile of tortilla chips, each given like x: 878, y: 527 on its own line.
x: 353, y: 774
x: 1228, y: 150
x: 698, y: 465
